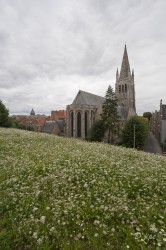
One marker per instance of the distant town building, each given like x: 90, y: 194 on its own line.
x: 37, y: 121
x: 58, y: 115
x: 54, y: 127
x: 158, y: 123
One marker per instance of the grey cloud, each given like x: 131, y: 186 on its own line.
x: 50, y: 49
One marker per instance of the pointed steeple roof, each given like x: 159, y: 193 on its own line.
x: 125, y: 67
x: 32, y: 112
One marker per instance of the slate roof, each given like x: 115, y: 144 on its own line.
x: 60, y: 124
x: 85, y: 98
x: 164, y: 112
x: 48, y: 126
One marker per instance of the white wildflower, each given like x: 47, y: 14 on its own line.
x: 79, y: 235
x: 85, y: 185
x: 34, y: 235
x: 52, y: 229
x: 39, y: 241
x: 42, y: 219
x: 35, y: 209
x: 153, y: 228
x: 96, y: 222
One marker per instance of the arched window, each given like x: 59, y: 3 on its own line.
x: 72, y: 123
x: 119, y: 88
x: 86, y: 124
x: 125, y: 88
x: 78, y: 124
x: 122, y: 88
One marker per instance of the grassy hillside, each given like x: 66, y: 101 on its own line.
x: 59, y: 193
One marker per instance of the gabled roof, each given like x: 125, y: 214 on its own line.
x: 85, y: 98
x: 48, y: 126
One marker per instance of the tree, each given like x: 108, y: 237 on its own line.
x: 135, y: 132
x: 147, y: 115
x: 97, y: 131
x: 163, y: 146
x: 109, y: 115
x: 4, y: 115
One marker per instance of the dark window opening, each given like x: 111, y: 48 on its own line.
x: 72, y: 123
x: 79, y: 125
x: 125, y: 88
x: 86, y: 124
x: 119, y: 88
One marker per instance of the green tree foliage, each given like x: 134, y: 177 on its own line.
x: 147, y: 115
x: 4, y: 116
x: 97, y: 131
x: 18, y: 125
x: 141, y: 132
x: 163, y: 146
x: 109, y: 115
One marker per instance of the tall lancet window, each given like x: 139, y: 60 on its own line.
x: 78, y: 124
x: 125, y: 88
x: 86, y: 124
x: 72, y: 123
x: 119, y: 88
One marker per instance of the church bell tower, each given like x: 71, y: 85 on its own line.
x: 125, y: 88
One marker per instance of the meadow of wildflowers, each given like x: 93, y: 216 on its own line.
x: 59, y: 193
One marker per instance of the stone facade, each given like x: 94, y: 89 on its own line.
x: 87, y: 108
x: 82, y: 113
x: 125, y: 88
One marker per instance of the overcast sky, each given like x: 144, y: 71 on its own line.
x: 49, y: 49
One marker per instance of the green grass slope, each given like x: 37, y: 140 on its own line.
x: 59, y: 193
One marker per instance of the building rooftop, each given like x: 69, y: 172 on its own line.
x: 85, y: 98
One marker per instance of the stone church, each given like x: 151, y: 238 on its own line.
x: 87, y: 108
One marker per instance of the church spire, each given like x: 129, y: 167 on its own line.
x: 117, y: 74
x: 125, y: 67
x: 32, y: 112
